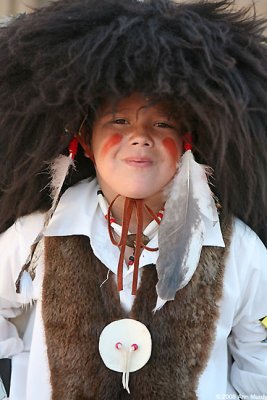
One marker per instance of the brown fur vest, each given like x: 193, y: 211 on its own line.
x: 76, y: 309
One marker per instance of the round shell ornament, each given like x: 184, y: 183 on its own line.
x: 125, y: 346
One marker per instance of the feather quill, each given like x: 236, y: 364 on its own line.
x: 181, y: 233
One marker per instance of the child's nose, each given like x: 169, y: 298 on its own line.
x: 141, y: 138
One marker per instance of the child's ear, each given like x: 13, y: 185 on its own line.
x: 87, y: 149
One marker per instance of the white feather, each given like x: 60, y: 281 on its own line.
x: 160, y: 303
x: 59, y: 169
x: 182, y: 229
x: 26, y: 288
x: 201, y: 190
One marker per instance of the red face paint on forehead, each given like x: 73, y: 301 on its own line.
x: 111, y: 141
x: 171, y: 146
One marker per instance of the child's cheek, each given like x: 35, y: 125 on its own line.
x: 171, y: 147
x: 111, y: 142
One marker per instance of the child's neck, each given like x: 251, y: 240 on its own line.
x: 117, y: 211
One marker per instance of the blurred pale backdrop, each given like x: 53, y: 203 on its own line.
x: 8, y: 7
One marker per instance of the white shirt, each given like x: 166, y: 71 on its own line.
x: 238, y: 329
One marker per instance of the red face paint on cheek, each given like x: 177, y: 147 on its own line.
x: 112, y: 141
x: 171, y: 146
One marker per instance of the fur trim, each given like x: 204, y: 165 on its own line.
x: 76, y: 309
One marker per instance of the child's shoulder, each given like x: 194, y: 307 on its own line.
x: 24, y: 229
x: 247, y: 255
x: 244, y: 236
x: 15, y: 246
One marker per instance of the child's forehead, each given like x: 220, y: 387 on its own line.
x: 135, y: 103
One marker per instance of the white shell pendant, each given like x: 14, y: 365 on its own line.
x: 125, y: 346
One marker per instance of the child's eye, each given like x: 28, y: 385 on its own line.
x: 120, y: 121
x: 164, y: 125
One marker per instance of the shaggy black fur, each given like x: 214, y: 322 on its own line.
x: 61, y: 61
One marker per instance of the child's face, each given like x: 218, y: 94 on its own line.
x: 136, y: 147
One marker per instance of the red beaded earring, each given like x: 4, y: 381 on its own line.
x: 187, y: 139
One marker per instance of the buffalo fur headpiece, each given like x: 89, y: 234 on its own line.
x: 58, y: 63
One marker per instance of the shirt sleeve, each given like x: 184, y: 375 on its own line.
x: 15, y: 245
x: 247, y: 341
x: 10, y: 342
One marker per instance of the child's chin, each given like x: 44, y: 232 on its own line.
x: 139, y: 193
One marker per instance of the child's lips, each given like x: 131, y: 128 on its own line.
x: 138, y: 161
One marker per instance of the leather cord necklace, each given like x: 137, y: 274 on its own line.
x: 138, y: 240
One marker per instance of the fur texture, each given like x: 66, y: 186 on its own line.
x: 59, y: 63
x: 75, y: 314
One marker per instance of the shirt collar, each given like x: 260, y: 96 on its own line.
x: 78, y: 213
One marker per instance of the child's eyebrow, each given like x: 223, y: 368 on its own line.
x: 159, y: 113
x: 111, y: 112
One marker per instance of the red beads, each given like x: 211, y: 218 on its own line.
x: 111, y: 220
x: 131, y: 260
x: 119, y: 345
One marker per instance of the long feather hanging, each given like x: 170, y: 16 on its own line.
x: 181, y: 233
x: 58, y: 169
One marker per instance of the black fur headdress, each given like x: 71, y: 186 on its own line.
x: 58, y: 63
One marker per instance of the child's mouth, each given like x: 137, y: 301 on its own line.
x: 138, y: 161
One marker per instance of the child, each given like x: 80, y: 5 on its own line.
x: 131, y: 271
